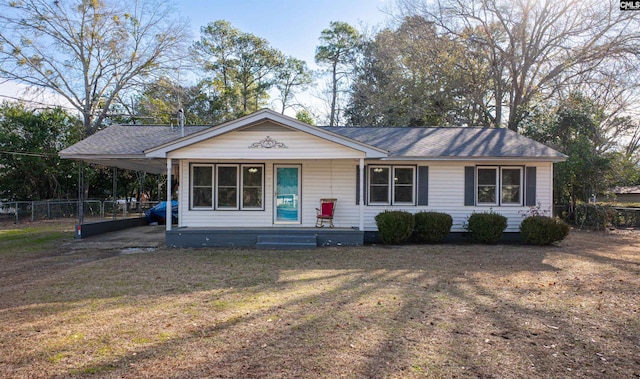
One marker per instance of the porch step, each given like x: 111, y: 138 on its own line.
x: 287, y: 241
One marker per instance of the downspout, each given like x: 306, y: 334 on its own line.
x: 168, y: 210
x: 361, y: 205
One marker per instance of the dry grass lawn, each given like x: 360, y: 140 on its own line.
x: 435, y: 311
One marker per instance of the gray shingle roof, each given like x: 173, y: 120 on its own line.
x: 128, y: 139
x: 449, y: 142
x: 133, y: 140
x: 626, y: 190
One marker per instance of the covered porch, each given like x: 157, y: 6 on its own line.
x: 256, y: 181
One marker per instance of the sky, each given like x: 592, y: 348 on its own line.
x: 291, y: 26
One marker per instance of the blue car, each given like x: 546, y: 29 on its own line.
x: 159, y: 213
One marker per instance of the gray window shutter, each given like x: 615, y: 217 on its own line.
x: 530, y: 183
x: 423, y: 185
x: 469, y: 185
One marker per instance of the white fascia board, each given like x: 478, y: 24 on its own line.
x: 101, y: 156
x: 265, y: 114
x: 129, y: 162
x: 481, y: 159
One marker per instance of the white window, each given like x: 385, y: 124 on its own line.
x: 499, y: 186
x: 202, y: 186
x: 403, y: 179
x: 228, y: 186
x: 391, y: 185
x: 511, y: 185
x: 487, y: 192
x: 379, y: 185
x: 252, y: 187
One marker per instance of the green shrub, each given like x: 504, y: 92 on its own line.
x: 432, y: 226
x: 394, y: 227
x: 486, y: 227
x: 543, y: 230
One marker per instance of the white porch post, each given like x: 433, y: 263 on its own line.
x: 168, y: 214
x: 361, y: 205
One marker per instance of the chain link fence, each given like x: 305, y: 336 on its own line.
x: 94, y: 210
x: 599, y: 217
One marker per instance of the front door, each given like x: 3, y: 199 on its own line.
x: 287, y: 194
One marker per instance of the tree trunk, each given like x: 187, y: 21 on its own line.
x: 334, y: 94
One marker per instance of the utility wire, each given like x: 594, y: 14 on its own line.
x: 29, y: 154
x: 48, y: 105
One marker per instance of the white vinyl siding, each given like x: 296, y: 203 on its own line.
x: 446, y: 194
x: 320, y: 179
x: 238, y: 145
x: 336, y: 178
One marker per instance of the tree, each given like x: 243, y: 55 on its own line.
x: 407, y: 77
x: 242, y: 68
x: 292, y: 76
x: 160, y: 102
x: 534, y: 48
x: 304, y: 116
x: 30, y: 168
x: 216, y: 51
x: 88, y: 51
x: 573, y: 128
x: 338, y: 47
x: 258, y: 65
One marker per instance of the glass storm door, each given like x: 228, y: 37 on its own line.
x: 287, y: 195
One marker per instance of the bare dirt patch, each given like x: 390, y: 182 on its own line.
x: 461, y: 311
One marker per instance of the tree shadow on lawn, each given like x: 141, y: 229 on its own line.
x: 111, y: 274
x: 608, y: 249
x: 440, y: 310
x: 363, y: 288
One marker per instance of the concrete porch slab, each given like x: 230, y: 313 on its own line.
x: 248, y: 237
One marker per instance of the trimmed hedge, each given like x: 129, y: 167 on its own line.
x: 432, y: 226
x: 394, y: 227
x: 486, y: 227
x: 543, y: 230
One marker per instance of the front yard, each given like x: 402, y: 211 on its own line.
x: 438, y: 311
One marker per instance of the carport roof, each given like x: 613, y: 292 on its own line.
x: 123, y: 146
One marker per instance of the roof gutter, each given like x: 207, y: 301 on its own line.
x: 481, y: 159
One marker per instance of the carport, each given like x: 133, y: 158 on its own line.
x: 121, y: 147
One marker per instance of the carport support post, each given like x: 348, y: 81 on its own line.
x: 80, y: 194
x: 361, y: 205
x: 168, y: 215
x: 115, y: 192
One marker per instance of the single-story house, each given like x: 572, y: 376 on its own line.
x: 626, y: 194
x: 247, y: 181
